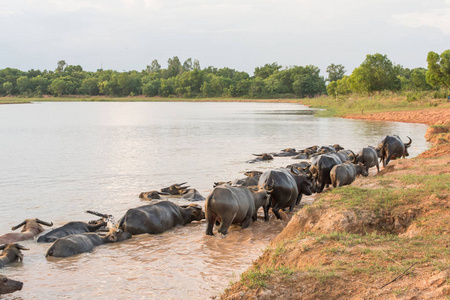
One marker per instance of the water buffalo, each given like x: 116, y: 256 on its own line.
x: 233, y: 205
x: 304, y: 185
x: 85, y: 242
x: 175, y: 189
x: 261, y: 157
x: 9, y: 286
x: 192, y: 195
x: 158, y: 217
x: 346, y: 155
x: 301, y: 156
x: 152, y: 195
x: 71, y: 228
x: 368, y: 156
x: 29, y: 231
x: 286, y: 152
x: 345, y: 173
x: 283, y: 187
x: 392, y: 147
x: 321, y: 167
x: 11, y: 253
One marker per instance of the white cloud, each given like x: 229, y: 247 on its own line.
x: 439, y: 19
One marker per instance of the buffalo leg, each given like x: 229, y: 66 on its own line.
x: 276, y: 212
x: 210, y: 220
x: 266, y: 213
x: 246, y: 222
x: 223, y: 228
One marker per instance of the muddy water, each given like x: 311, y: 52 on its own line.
x: 59, y: 159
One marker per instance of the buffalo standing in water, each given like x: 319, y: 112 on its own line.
x: 85, y: 242
x: 284, y: 191
x: 158, y: 217
x: 8, y: 285
x: 233, y: 205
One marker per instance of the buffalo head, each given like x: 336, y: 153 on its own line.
x: 9, y: 286
x: 197, y: 214
x: 32, y: 224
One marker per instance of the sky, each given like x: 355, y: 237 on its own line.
x: 126, y: 35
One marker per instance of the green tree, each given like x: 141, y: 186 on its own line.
x: 174, y: 67
x: 8, y: 87
x: 376, y: 73
x: 90, y: 86
x: 438, y: 74
x: 60, y: 66
x: 152, y: 88
x: 24, y: 85
x: 335, y: 72
x: 154, y: 67
x: 267, y: 70
x: 40, y: 84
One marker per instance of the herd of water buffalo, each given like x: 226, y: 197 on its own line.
x: 231, y: 202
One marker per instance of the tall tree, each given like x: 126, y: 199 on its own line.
x: 154, y: 67
x: 438, y: 74
x: 60, y: 66
x: 335, y: 72
x: 266, y: 70
x: 174, y: 66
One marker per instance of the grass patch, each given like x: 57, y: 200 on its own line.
x: 255, y: 278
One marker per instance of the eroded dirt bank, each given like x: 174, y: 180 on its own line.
x: 383, y: 237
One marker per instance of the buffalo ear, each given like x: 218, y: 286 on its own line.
x: 2, y: 247
x: 112, y: 238
x: 184, y: 206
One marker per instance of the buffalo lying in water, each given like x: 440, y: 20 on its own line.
x: 71, y: 228
x: 233, y: 205
x: 158, y: 217
x: 11, y: 253
x: 152, y: 195
x: 261, y: 157
x: 192, y: 195
x: 392, y: 147
x: 30, y: 230
x: 175, y: 189
x: 8, y: 285
x: 79, y: 243
x: 345, y: 173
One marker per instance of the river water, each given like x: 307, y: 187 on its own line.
x: 58, y: 160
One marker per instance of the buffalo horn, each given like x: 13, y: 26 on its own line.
x: 18, y: 246
x: 18, y: 226
x: 295, y: 170
x: 97, y: 214
x: 408, y: 144
x: 44, y: 223
x: 2, y: 247
x: 354, y: 155
x: 163, y: 193
x: 257, y: 154
x: 180, y: 184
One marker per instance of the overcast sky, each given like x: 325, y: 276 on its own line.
x: 127, y: 35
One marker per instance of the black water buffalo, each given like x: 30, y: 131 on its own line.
x: 260, y: 157
x: 29, y: 231
x: 346, y: 155
x: 175, y: 189
x: 286, y: 152
x: 152, y: 195
x: 8, y: 285
x: 192, y: 195
x: 85, y: 242
x: 284, y: 191
x: 304, y: 185
x: 158, y: 217
x: 321, y: 167
x: 392, y: 147
x: 345, y: 173
x: 11, y: 253
x: 368, y: 157
x: 233, y: 205
x: 301, y: 156
x: 71, y: 228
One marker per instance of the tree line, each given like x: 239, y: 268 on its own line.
x: 189, y: 80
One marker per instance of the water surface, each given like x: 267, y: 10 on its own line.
x: 60, y: 159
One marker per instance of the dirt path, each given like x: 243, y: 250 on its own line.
x: 430, y: 116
